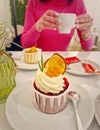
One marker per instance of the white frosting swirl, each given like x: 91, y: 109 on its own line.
x: 49, y: 84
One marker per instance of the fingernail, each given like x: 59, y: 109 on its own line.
x: 60, y: 26
x: 77, y: 21
x: 57, y: 14
x: 77, y: 25
x: 59, y: 20
x: 54, y: 29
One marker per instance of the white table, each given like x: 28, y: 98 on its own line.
x: 92, y: 82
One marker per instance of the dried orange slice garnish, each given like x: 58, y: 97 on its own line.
x: 55, y: 65
x: 31, y: 50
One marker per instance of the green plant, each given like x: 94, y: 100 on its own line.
x: 4, y: 34
x: 41, y: 65
x: 20, y: 12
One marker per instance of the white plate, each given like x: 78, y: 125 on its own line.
x: 25, y: 66
x: 18, y: 58
x: 97, y: 109
x: 77, y: 69
x: 22, y: 114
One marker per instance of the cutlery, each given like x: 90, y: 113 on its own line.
x: 97, y: 72
x: 74, y: 97
x: 17, y: 45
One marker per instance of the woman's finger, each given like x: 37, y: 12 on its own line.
x: 51, y: 13
x: 51, y: 19
x: 49, y: 25
x: 84, y: 26
x: 84, y: 19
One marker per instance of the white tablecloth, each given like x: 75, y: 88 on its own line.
x: 90, y: 83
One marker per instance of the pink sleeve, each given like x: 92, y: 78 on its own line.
x: 29, y: 36
x: 80, y: 7
x: 86, y: 45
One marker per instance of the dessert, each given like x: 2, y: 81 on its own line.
x: 70, y: 60
x: 32, y: 55
x: 7, y: 76
x: 51, y: 85
x: 89, y: 68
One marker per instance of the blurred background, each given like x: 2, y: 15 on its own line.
x: 12, y: 12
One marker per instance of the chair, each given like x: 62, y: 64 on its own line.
x: 14, y: 47
x: 17, y: 29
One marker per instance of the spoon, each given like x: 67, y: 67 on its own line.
x: 74, y: 97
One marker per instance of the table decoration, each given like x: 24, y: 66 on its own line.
x: 5, y: 35
x: 7, y: 66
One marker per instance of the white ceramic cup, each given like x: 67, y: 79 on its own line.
x: 67, y: 22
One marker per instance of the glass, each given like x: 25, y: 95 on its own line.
x: 7, y: 76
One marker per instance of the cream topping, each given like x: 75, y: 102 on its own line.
x: 49, y: 84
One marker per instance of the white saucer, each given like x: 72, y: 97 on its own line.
x: 77, y: 69
x: 25, y: 66
x: 22, y: 114
x: 18, y: 58
x: 97, y: 109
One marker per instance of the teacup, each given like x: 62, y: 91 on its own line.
x: 67, y: 22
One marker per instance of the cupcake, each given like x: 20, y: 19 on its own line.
x: 31, y: 55
x: 51, y: 85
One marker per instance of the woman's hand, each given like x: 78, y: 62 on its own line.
x: 49, y: 20
x: 84, y: 23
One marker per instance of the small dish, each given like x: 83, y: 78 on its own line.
x: 77, y: 68
x: 25, y: 66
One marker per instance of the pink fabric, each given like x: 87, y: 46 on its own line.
x: 50, y: 40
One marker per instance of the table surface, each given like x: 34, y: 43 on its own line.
x: 93, y: 82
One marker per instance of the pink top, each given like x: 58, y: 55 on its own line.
x: 50, y: 40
